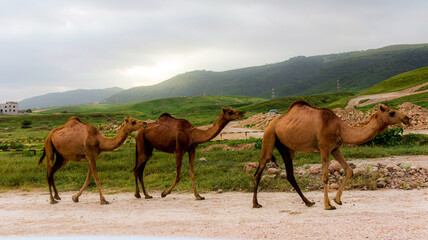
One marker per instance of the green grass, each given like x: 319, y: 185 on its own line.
x: 400, y: 82
x: 223, y: 169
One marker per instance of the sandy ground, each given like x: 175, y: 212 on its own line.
x: 382, y: 214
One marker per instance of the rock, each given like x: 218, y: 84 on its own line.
x: 397, y: 168
x: 334, y: 165
x: 283, y: 174
x: 381, y: 184
x: 300, y: 171
x: 219, y: 191
x: 362, y: 166
x: 333, y: 186
x: 373, y: 169
x: 268, y: 176
x: 250, y: 167
x: 352, y: 165
x: 357, y: 171
x: 314, y: 170
x: 424, y: 185
x: 400, y: 174
x: 202, y: 159
x: 390, y: 167
x: 272, y: 165
x: 273, y: 170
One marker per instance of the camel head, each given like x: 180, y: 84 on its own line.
x: 132, y: 124
x: 231, y: 114
x: 392, y: 116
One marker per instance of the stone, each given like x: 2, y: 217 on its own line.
x: 390, y: 166
x: 283, y: 174
x: 362, y: 166
x: 202, y: 159
x: 352, y: 165
x: 273, y: 170
x: 381, y: 184
x: 400, y: 174
x: 334, y: 165
x: 314, y: 170
x: 268, y: 176
x: 250, y: 167
x: 219, y: 191
x: 333, y: 186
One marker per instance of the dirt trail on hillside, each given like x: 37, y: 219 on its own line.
x: 382, y: 214
x: 375, y: 98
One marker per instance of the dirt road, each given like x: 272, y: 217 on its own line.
x: 382, y: 214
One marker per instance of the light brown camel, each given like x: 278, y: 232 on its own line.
x: 81, y: 142
x: 176, y: 136
x: 318, y: 130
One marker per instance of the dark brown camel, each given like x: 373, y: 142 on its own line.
x: 318, y: 130
x: 81, y: 142
x: 176, y: 136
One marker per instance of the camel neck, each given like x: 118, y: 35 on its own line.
x: 201, y: 136
x: 362, y: 134
x: 111, y: 143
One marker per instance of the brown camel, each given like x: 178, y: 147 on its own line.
x: 318, y: 130
x: 80, y: 142
x: 176, y: 136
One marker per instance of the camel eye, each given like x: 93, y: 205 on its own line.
x: 230, y: 112
x: 133, y: 123
x: 391, y: 114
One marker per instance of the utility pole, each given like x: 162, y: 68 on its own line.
x: 338, y: 84
x: 273, y: 93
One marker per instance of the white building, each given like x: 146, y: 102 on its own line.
x: 10, y: 108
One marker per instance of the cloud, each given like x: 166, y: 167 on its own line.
x: 48, y: 45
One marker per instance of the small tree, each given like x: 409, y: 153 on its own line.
x: 26, y: 124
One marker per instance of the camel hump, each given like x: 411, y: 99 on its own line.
x: 74, y: 118
x: 299, y: 103
x: 166, y: 115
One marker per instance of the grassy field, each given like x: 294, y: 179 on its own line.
x: 400, y: 82
x: 223, y: 169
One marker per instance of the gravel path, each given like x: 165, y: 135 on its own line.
x: 382, y: 214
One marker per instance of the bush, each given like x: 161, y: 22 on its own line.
x: 26, y: 123
x: 390, y: 138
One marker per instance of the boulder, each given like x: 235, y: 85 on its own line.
x: 334, y: 165
x: 314, y: 170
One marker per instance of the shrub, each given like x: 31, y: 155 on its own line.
x: 26, y: 123
x: 390, y: 138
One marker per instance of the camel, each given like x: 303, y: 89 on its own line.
x: 81, y: 142
x: 176, y: 136
x: 318, y: 130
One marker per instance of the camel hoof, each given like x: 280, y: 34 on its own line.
x: 200, y: 198
x: 57, y: 197
x: 256, y: 205
x: 330, y: 208
x: 75, y: 199
x: 148, y: 197
x: 104, y: 202
x: 137, y: 195
x: 163, y: 194
x: 310, y: 204
x: 337, y: 201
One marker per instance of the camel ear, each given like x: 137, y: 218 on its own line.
x: 126, y: 119
x: 382, y: 108
x: 224, y: 110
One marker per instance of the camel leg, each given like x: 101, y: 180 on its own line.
x: 325, y: 155
x: 142, y: 156
x: 59, y: 162
x: 76, y: 196
x: 139, y: 172
x: 268, y: 144
x: 337, y: 154
x: 178, y: 161
x: 50, y: 163
x: 192, y: 173
x: 92, y: 164
x: 287, y: 156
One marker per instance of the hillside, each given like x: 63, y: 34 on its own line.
x: 400, y: 82
x: 297, y: 76
x: 68, y: 98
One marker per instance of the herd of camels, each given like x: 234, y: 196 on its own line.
x: 303, y: 128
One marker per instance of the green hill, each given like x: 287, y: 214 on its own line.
x: 297, y: 76
x: 68, y: 98
x: 400, y: 82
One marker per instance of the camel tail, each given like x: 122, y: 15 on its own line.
x: 42, y: 157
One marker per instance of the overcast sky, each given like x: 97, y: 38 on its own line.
x: 53, y: 45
